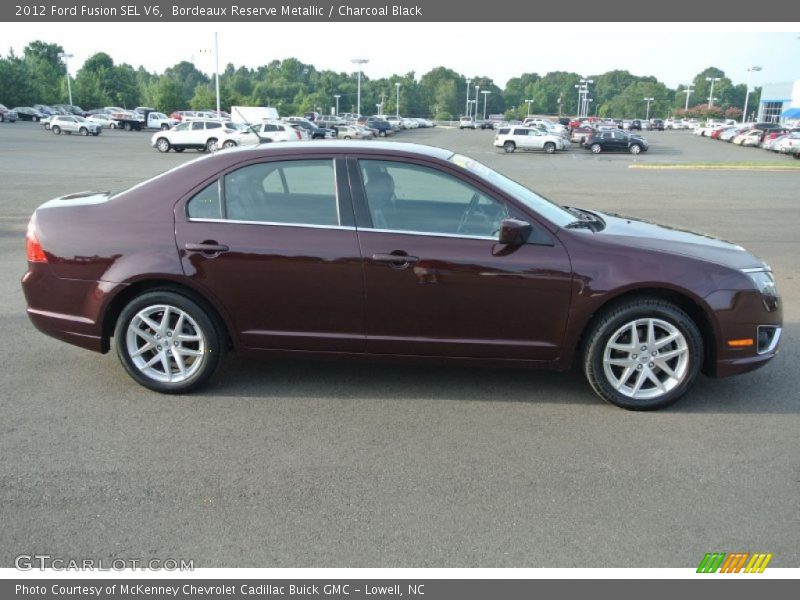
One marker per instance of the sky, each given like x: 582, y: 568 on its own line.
x: 674, y: 53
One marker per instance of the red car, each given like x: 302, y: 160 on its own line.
x: 390, y: 252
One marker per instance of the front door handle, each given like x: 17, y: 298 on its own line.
x: 396, y: 259
x: 208, y: 248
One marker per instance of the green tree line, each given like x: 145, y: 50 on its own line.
x: 39, y: 76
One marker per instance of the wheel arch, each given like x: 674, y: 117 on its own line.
x: 137, y: 288
x: 701, y: 315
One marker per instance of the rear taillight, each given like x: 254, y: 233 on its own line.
x: 32, y: 246
x: 299, y: 137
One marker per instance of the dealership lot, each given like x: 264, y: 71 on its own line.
x: 312, y: 464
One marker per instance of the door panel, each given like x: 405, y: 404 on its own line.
x: 284, y: 285
x: 437, y: 282
x: 464, y: 297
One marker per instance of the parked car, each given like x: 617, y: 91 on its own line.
x: 657, y: 124
x: 46, y: 110
x: 751, y: 137
x: 788, y: 143
x: 528, y: 138
x: 6, y: 114
x: 487, y: 125
x: 581, y: 134
x: 635, y: 125
x: 728, y: 135
x: 353, y: 132
x: 382, y: 127
x: 616, y: 141
x: 466, y: 123
x: 28, y: 113
x: 73, y: 124
x: 205, y: 135
x: 103, y: 119
x: 231, y: 252
x: 315, y: 131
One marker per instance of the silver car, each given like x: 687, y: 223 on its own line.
x: 74, y: 124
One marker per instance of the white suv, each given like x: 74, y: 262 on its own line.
x: 528, y: 138
x: 466, y: 123
x: 206, y: 135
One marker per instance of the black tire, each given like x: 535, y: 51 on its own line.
x: 128, y: 127
x: 208, y: 327
x: 596, y: 148
x: 212, y: 145
x: 229, y: 144
x: 635, y: 149
x: 164, y: 127
x: 615, y: 319
x: 797, y: 155
x: 35, y: 119
x: 56, y: 129
x: 83, y: 131
x: 382, y: 133
x: 347, y: 137
x: 550, y: 147
x: 509, y: 147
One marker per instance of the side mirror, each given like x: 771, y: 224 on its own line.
x: 514, y: 232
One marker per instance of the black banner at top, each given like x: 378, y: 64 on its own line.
x: 396, y: 10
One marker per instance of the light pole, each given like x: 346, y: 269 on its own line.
x: 359, y: 62
x: 648, y: 100
x: 747, y: 94
x: 467, y: 109
x: 528, y: 102
x: 586, y: 104
x: 337, y: 96
x: 397, y: 107
x: 485, y: 93
x: 580, y: 94
x: 688, y: 91
x: 711, y: 93
x: 216, y: 68
x: 477, y: 88
x: 65, y: 57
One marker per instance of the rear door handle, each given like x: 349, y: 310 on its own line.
x: 208, y: 248
x: 398, y: 260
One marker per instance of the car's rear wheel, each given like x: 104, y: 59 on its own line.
x: 509, y: 147
x: 643, y: 354
x: 635, y: 149
x: 212, y: 145
x: 83, y: 131
x: 347, y: 137
x: 229, y: 144
x: 128, y: 127
x: 549, y: 147
x: 56, y: 129
x: 596, y: 148
x: 168, y: 342
x: 163, y: 145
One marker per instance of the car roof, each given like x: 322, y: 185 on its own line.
x: 343, y: 147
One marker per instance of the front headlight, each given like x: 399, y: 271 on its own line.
x: 764, y: 281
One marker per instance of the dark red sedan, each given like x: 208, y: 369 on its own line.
x: 389, y: 251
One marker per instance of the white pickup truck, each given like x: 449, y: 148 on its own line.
x: 146, y: 118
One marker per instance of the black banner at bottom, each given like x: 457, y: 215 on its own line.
x: 732, y: 587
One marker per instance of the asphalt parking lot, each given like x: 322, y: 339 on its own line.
x: 337, y: 465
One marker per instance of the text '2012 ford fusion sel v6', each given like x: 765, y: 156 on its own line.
x: 391, y: 252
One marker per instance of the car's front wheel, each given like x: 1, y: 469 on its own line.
x: 162, y: 145
x: 168, y: 342
x: 643, y: 354
x: 229, y: 144
x: 635, y: 149
x: 550, y: 147
x: 596, y: 148
x: 83, y: 131
x: 509, y: 147
x: 56, y: 129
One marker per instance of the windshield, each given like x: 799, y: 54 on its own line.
x: 547, y: 209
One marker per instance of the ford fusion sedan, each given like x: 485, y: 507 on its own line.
x: 390, y: 252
